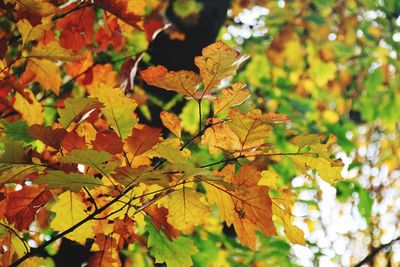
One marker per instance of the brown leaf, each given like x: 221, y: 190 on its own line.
x: 49, y: 136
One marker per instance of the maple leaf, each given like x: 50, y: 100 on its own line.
x: 231, y: 97
x: 73, y: 141
x: 14, y: 165
x: 76, y: 28
x: 171, y: 122
x: 70, y: 210
x: 183, y: 82
x: 186, y: 209
x: 169, y: 150
x: 49, y: 136
x: 108, y: 141
x: 176, y: 253
x: 22, y: 205
x: 142, y: 139
x: 159, y: 218
x: 54, y: 52
x: 29, y: 107
x: 252, y: 128
x: 100, y: 161
x: 28, y: 32
x: 251, y: 203
x: 70, y: 181
x: 129, y: 12
x: 282, y: 207
x: 40, y: 7
x: 317, y: 157
x: 42, y: 69
x: 118, y: 109
x: 217, y: 62
x: 75, y: 109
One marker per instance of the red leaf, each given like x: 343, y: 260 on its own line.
x: 108, y: 141
x: 143, y: 139
x: 22, y: 205
x: 73, y: 141
x: 77, y: 28
x: 159, y: 219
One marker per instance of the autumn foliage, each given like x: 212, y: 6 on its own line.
x: 77, y: 162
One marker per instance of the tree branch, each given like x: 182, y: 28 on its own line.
x: 375, y: 251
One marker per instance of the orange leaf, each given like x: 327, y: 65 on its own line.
x: 128, y: 11
x: 251, y: 203
x: 29, y: 107
x: 171, y: 122
x: 183, y: 82
x: 142, y: 139
x: 43, y: 69
x: 73, y: 141
x: 22, y: 205
x: 218, y: 61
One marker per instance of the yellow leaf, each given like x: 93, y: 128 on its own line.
x: 171, y: 122
x: 220, y: 137
x: 217, y: 62
x: 118, y: 109
x: 322, y: 72
x: 231, y: 97
x: 282, y: 208
x: 46, y: 73
x: 70, y: 210
x: 271, y: 179
x: 169, y: 150
x: 318, y: 158
x: 187, y: 210
x: 31, y: 111
x: 54, y: 52
x: 40, y: 7
x: 28, y: 32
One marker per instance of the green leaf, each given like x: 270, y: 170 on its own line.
x: 71, y: 181
x: 14, y: 165
x: 176, y: 253
x: 97, y: 160
x: 75, y: 108
x: 17, y: 131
